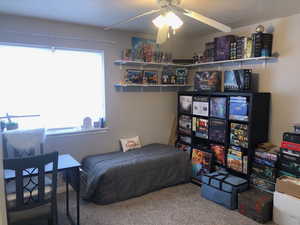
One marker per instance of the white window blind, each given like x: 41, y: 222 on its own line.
x: 62, y: 86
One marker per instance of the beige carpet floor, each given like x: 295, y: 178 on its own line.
x: 178, y: 205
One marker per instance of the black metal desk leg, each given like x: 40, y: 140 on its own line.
x: 76, y: 187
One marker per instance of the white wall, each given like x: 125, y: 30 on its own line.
x: 147, y: 114
x: 281, y: 77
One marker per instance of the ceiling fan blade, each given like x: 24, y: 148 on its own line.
x: 132, y: 18
x: 208, y: 21
x: 202, y: 19
x: 162, y: 34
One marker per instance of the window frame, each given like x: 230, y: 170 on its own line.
x: 72, y: 130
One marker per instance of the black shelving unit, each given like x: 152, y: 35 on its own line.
x: 258, y: 123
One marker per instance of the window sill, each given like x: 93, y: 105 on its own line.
x: 74, y: 131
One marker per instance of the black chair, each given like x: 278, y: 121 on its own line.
x: 32, y: 194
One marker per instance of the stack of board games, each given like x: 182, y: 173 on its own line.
x: 222, y: 47
x: 238, y: 108
x: 218, y: 107
x: 236, y: 160
x: 200, y: 127
x: 217, y: 130
x: 200, y: 106
x: 262, y: 44
x: 239, y: 134
x: 266, y: 155
x: 289, y: 163
x: 201, y: 162
x: 209, y: 81
x: 185, y: 104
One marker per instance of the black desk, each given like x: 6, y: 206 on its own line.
x: 67, y: 164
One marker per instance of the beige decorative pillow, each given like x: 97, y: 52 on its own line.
x: 130, y: 143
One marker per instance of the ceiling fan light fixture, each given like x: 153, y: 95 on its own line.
x: 173, y: 20
x: 170, y: 19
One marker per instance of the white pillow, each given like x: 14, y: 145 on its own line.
x: 130, y: 143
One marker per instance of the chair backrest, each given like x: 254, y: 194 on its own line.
x: 23, y: 143
x: 29, y: 168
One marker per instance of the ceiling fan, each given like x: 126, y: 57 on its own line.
x: 169, y: 19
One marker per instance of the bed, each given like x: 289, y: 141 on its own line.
x: 118, y: 176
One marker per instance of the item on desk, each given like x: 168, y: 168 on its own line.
x: 87, y: 123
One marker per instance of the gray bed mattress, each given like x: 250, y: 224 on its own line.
x: 118, y: 176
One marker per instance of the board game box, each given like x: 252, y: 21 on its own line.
x: 237, y: 80
x: 184, y: 147
x: 239, y: 134
x: 150, y: 77
x: 238, y: 108
x: 265, y: 172
x: 134, y: 76
x: 201, y: 163
x: 181, y: 75
x: 200, y: 127
x: 218, y: 107
x: 219, y: 153
x: 185, y: 124
x: 235, y: 159
x: 185, y: 139
x: 209, y: 81
x: 200, y: 106
x: 217, y: 130
x: 185, y: 104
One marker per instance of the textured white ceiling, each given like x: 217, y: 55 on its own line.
x: 105, y: 12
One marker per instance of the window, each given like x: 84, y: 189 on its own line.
x: 62, y: 86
